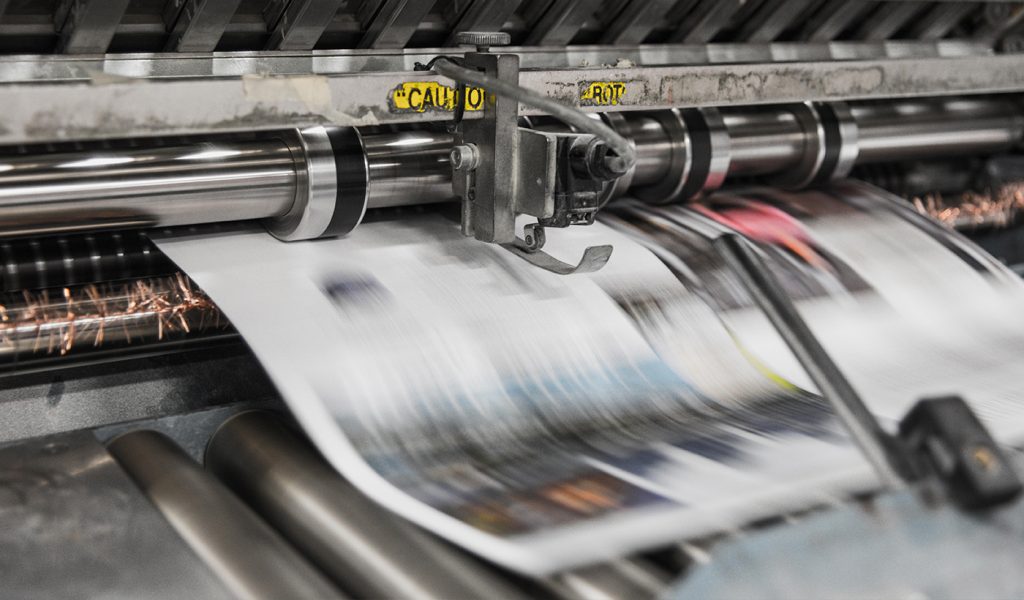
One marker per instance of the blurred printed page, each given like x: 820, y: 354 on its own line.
x: 542, y: 421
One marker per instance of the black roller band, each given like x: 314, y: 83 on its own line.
x: 833, y: 142
x: 353, y: 181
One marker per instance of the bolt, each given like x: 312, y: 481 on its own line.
x: 482, y: 39
x: 465, y: 157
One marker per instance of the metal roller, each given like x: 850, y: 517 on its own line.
x: 290, y: 178
x: 251, y: 559
x: 364, y: 548
x: 913, y: 130
x: 50, y: 323
x: 320, y: 181
x: 69, y: 260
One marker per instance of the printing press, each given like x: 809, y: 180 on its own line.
x: 146, y: 450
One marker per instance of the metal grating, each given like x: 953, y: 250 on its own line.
x: 120, y: 26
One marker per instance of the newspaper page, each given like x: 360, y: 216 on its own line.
x: 547, y: 421
x: 906, y: 308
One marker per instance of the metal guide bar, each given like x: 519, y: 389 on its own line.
x: 705, y: 21
x: 80, y: 110
x: 88, y: 26
x: 200, y: 24
x: 302, y: 23
x: 394, y: 23
x: 561, y: 22
x: 636, y: 20
x: 15, y: 69
x: 940, y: 20
x: 772, y: 18
x: 889, y: 19
x: 832, y: 19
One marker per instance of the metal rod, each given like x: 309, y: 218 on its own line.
x: 408, y: 167
x: 877, y: 446
x: 763, y: 141
x: 70, y: 320
x: 919, y: 130
x: 364, y: 548
x: 251, y: 559
x: 157, y: 186
x: 233, y: 179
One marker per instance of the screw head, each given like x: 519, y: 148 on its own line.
x: 482, y: 39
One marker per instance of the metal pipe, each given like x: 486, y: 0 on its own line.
x: 410, y: 167
x: 918, y: 130
x: 300, y: 179
x: 251, y: 559
x: 653, y: 146
x: 364, y: 548
x: 763, y: 141
x: 224, y: 180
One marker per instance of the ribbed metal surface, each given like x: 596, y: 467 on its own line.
x: 91, y: 26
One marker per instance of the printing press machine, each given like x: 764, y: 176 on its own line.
x: 145, y: 453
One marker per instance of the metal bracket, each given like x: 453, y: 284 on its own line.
x: 594, y: 257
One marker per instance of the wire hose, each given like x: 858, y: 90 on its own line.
x: 625, y: 154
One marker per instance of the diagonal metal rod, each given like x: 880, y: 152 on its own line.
x: 882, y: 450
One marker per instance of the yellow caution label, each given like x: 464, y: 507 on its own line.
x: 422, y: 96
x: 601, y: 93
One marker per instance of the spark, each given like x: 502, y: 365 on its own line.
x: 998, y: 209
x: 167, y: 305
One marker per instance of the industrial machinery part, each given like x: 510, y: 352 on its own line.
x: 150, y: 114
x: 248, y: 556
x: 320, y: 182
x: 60, y: 321
x: 74, y: 525
x: 68, y: 260
x: 306, y: 184
x: 371, y: 552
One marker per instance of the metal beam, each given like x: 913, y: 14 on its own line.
x: 484, y: 15
x: 705, y: 21
x: 833, y: 18
x: 888, y: 20
x: 139, y: 68
x: 47, y: 111
x: 940, y: 20
x: 200, y: 25
x: 88, y: 26
x: 394, y: 22
x: 302, y: 23
x: 636, y: 21
x: 561, y: 22
x: 772, y: 19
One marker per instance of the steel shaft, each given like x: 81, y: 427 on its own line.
x: 369, y: 551
x: 252, y: 560
x: 278, y: 175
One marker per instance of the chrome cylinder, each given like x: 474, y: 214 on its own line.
x: 654, y: 148
x: 908, y: 130
x: 410, y: 167
x: 205, y: 182
x: 251, y: 559
x: 320, y: 181
x: 763, y: 140
x: 367, y: 550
